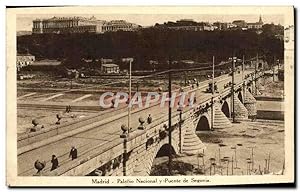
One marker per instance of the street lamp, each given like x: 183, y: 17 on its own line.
x: 130, y: 60
x: 255, y: 71
x: 170, y: 122
x: 213, y: 91
x: 232, y: 88
x: 243, y: 69
x: 70, y: 74
x: 180, y: 121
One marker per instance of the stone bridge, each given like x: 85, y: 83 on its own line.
x: 133, y: 152
x: 136, y: 151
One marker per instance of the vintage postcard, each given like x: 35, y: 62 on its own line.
x: 150, y: 95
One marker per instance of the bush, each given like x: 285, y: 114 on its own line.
x: 178, y: 167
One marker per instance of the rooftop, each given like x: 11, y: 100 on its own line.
x: 110, y: 65
x: 70, y: 18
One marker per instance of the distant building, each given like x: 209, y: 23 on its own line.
x: 221, y: 26
x: 280, y: 37
x: 188, y: 25
x: 24, y: 60
x: 67, y: 25
x: 256, y: 25
x: 259, y: 65
x: 110, y: 68
x: 240, y: 23
x: 289, y: 34
x: 79, y: 25
x: 119, y: 25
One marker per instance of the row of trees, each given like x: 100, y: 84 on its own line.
x: 151, y: 44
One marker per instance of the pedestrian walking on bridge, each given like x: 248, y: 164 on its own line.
x: 54, y: 162
x: 73, y: 153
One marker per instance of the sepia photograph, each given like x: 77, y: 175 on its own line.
x: 150, y: 96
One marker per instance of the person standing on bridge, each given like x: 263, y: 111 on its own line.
x: 73, y: 153
x: 54, y: 162
x: 68, y: 108
x: 149, y: 119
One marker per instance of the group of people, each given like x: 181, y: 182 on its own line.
x: 68, y: 108
x: 54, y: 161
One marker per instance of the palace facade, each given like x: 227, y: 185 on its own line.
x: 80, y: 25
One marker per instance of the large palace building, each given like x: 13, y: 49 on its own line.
x: 80, y: 25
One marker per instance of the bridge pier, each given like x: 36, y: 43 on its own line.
x: 250, y: 104
x: 191, y: 142
x: 240, y: 111
x: 220, y: 119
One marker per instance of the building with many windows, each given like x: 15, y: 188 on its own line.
x: 119, y: 25
x: 24, y: 60
x: 240, y: 23
x: 187, y: 25
x: 110, y: 68
x: 79, y: 25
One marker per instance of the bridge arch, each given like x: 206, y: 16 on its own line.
x: 164, y: 150
x: 225, y: 109
x: 240, y: 96
x: 203, y: 124
x: 249, y: 89
x: 161, y: 151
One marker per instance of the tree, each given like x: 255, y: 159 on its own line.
x: 155, y: 43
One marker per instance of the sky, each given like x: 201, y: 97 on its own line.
x: 24, y: 23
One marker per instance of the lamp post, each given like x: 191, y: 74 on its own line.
x: 234, y: 148
x: 170, y: 122
x: 213, y: 92
x: 124, y: 135
x: 70, y: 74
x: 130, y: 60
x: 232, y: 88
x: 255, y: 71
x: 274, y: 68
x: 180, y: 131
x: 243, y: 69
x: 180, y: 109
x: 278, y: 69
